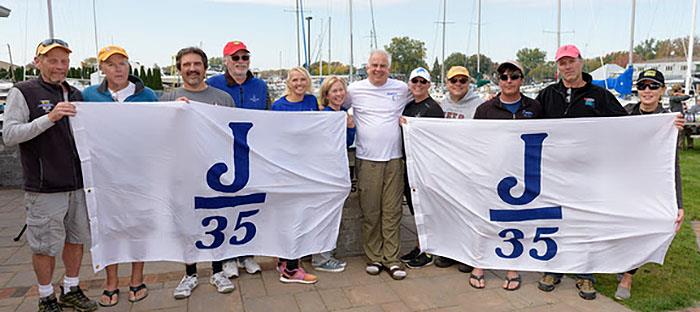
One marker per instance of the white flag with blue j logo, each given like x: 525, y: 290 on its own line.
x: 580, y: 195
x: 196, y: 182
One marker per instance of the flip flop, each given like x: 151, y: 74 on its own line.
x: 133, y: 290
x: 511, y: 280
x: 110, y: 294
x: 478, y: 279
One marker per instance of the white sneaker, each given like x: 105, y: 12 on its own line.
x: 184, y: 289
x: 230, y: 268
x: 249, y: 264
x: 222, y: 283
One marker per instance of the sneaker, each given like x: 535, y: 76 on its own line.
x: 249, y: 264
x: 585, y: 289
x: 222, y: 283
x: 548, y: 282
x: 410, y: 256
x: 230, y: 268
x: 332, y: 265
x: 443, y: 262
x: 297, y: 276
x: 186, y: 286
x: 281, y: 266
x: 77, y: 300
x: 465, y: 268
x: 422, y: 260
x: 49, y: 304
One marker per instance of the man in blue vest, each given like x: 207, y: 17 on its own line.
x: 246, y: 90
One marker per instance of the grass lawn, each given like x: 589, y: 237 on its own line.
x: 676, y: 284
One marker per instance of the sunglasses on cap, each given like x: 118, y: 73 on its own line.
x: 460, y: 80
x: 235, y: 58
x: 419, y: 80
x: 504, y: 77
x: 49, y: 42
x: 651, y: 86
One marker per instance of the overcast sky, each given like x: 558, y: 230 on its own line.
x: 152, y: 30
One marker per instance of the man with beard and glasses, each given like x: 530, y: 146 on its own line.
x: 192, y: 64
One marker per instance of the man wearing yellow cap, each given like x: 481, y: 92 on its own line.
x: 57, y: 220
x: 119, y: 85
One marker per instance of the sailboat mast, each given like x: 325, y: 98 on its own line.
x: 558, y: 24
x: 444, y: 17
x: 478, y: 38
x: 94, y: 23
x: 691, y: 45
x: 298, y: 39
x: 329, y: 45
x: 631, y: 55
x: 374, y: 29
x: 48, y: 4
x: 350, y: 78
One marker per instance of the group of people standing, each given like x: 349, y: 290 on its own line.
x: 35, y: 118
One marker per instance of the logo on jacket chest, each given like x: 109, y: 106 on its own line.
x: 45, y: 105
x: 254, y: 99
x: 589, y: 102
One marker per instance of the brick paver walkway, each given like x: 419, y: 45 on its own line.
x: 427, y: 289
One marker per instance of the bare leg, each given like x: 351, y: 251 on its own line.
x: 72, y: 258
x: 43, y: 268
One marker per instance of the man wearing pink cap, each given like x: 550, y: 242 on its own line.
x: 238, y: 81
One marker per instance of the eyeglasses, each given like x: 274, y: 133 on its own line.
x: 651, y: 86
x: 419, y: 80
x: 504, y: 77
x: 49, y: 42
x: 235, y: 58
x: 460, y: 80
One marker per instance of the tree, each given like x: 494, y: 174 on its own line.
x: 4, y: 73
x: 157, y: 80
x: 543, y: 72
x: 142, y: 74
x: 530, y: 59
x: 90, y: 62
x: 149, y: 78
x: 487, y: 65
x: 19, y: 73
x: 216, y: 63
x: 406, y: 54
x: 436, y: 72
x: 647, y: 49
x: 455, y: 59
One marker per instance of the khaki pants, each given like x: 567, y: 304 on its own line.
x: 380, y: 185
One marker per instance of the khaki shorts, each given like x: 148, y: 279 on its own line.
x: 54, y: 219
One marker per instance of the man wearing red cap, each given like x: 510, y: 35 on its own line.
x: 575, y: 96
x: 238, y: 81
x: 36, y: 118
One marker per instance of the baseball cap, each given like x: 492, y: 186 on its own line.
x: 110, y: 50
x: 456, y: 71
x: 420, y: 72
x: 569, y: 50
x: 48, y: 44
x: 516, y: 64
x: 233, y: 47
x: 651, y: 74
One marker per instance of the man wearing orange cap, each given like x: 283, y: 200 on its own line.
x: 246, y: 90
x: 119, y: 86
x: 57, y: 219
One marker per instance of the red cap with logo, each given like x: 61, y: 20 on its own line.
x: 233, y: 47
x: 568, y: 50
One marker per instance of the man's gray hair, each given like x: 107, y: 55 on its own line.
x: 382, y: 52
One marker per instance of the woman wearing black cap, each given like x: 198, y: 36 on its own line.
x: 650, y: 85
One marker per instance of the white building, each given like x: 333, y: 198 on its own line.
x: 673, y: 69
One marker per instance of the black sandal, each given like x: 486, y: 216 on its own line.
x: 511, y: 280
x: 478, y: 279
x: 133, y: 290
x: 110, y: 294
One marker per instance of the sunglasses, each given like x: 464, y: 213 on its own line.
x: 235, y: 58
x: 460, y: 80
x: 651, y: 86
x: 49, y: 42
x: 419, y: 80
x: 504, y: 77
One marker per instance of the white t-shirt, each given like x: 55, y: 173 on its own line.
x: 376, y: 111
x: 121, y: 95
